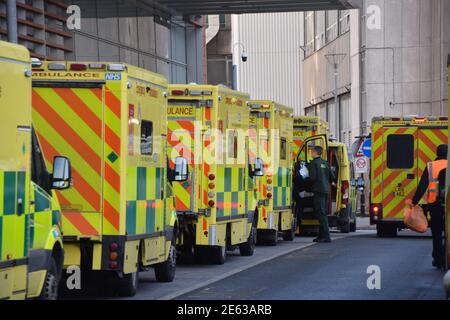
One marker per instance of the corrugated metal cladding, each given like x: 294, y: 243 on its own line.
x: 273, y: 69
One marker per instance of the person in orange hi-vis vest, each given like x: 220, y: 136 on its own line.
x: 429, y: 184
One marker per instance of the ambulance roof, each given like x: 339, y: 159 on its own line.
x: 14, y: 52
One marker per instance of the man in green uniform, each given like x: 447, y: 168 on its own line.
x: 321, y: 176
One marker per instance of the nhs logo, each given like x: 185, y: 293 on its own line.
x: 113, y: 76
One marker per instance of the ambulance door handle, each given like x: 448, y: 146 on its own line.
x: 410, y: 176
x: 19, y: 206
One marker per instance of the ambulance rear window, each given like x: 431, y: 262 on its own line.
x: 400, y: 151
x: 146, y: 137
x: 283, y: 149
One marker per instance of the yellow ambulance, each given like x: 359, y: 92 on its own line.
x: 111, y: 119
x: 208, y: 125
x: 342, y: 197
x: 304, y: 127
x: 270, y: 139
x: 401, y: 148
x: 31, y: 248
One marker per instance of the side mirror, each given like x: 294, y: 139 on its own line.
x: 181, y: 169
x: 62, y: 173
x: 259, y: 168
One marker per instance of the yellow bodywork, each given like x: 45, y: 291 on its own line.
x: 401, y: 149
x: 304, y: 127
x: 111, y: 120
x: 208, y: 126
x: 270, y: 136
x: 29, y: 215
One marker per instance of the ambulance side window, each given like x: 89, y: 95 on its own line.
x: 283, y: 149
x: 146, y: 137
x: 39, y: 173
x: 400, y: 151
x: 232, y: 144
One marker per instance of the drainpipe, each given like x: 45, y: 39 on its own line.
x: 11, y: 15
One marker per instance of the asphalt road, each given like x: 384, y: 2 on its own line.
x: 302, y: 269
x: 338, y: 271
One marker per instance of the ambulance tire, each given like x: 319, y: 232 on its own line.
x: 248, y: 248
x: 352, y: 219
x: 50, y: 287
x: 353, y: 226
x: 271, y: 237
x: 344, y: 226
x: 129, y: 284
x: 289, y: 235
x: 165, y: 271
x: 218, y: 254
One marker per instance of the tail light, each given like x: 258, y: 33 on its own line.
x: 113, y: 246
x: 113, y: 255
x: 178, y: 92
x: 345, y: 192
x: 376, y: 211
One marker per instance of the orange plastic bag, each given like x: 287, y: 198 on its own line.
x: 414, y: 218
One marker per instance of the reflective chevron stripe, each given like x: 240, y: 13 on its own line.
x: 70, y: 121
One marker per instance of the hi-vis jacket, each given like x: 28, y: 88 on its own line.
x: 434, y: 168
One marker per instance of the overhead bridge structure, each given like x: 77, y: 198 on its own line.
x: 192, y: 7
x: 203, y: 7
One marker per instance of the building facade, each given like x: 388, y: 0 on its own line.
x: 112, y: 31
x: 392, y: 62
x: 272, y: 43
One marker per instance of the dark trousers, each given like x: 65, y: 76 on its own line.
x: 437, y: 230
x: 321, y: 211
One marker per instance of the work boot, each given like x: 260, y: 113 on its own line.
x: 323, y: 240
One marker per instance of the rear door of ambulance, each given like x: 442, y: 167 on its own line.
x: 183, y: 117
x: 69, y: 119
x: 400, y: 173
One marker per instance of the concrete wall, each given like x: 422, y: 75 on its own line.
x: 405, y: 69
x: 272, y: 42
x: 173, y: 49
x: 394, y: 70
x: 319, y: 84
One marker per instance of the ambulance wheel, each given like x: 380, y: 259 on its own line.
x: 345, y: 228
x: 165, y: 271
x: 271, y: 237
x: 353, y: 218
x: 289, y: 235
x: 248, y: 248
x: 218, y: 254
x: 353, y: 225
x: 129, y: 284
x: 50, y: 288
